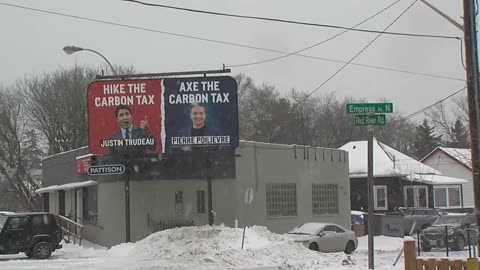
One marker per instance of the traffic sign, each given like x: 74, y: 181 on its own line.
x: 364, y: 108
x: 106, y: 169
x: 370, y: 120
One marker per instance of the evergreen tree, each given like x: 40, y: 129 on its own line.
x: 31, y: 151
x: 425, y: 139
x: 460, y: 137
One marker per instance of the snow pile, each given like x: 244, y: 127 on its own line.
x: 381, y: 243
x: 222, y: 244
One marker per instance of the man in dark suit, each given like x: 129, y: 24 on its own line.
x: 198, y: 115
x: 136, y: 139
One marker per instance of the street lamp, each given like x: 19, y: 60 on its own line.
x: 73, y: 49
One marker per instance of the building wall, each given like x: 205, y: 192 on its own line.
x: 59, y: 169
x: 261, y: 164
x: 257, y: 164
x: 450, y: 167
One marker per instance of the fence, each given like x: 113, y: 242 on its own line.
x: 160, y: 225
x: 71, y: 229
x: 414, y: 263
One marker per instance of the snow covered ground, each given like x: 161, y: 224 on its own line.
x: 216, y: 247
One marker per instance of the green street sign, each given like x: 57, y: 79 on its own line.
x: 370, y: 120
x: 364, y: 108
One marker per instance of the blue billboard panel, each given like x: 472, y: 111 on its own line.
x: 200, y: 112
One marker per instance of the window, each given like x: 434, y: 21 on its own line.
x: 380, y: 197
x: 43, y: 224
x: 324, y: 199
x: 90, y: 204
x: 281, y: 200
x: 329, y: 228
x: 17, y: 223
x: 201, y: 201
x: 416, y: 196
x: 447, y: 196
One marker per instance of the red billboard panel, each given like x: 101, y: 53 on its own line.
x: 125, y: 117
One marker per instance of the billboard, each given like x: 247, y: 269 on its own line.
x: 134, y: 118
x: 200, y: 112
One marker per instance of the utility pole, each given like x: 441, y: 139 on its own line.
x: 371, y: 206
x: 471, y: 59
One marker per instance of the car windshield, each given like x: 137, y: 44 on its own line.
x: 3, y: 219
x: 448, y: 220
x: 307, y: 228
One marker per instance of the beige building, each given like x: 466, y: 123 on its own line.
x: 290, y: 185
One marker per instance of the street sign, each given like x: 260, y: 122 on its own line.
x: 364, y: 108
x: 370, y: 120
x: 106, y: 169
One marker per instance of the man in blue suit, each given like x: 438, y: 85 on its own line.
x: 136, y: 139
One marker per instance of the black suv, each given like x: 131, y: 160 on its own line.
x: 459, y: 229
x: 36, y: 234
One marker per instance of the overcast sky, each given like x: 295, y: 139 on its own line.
x: 32, y: 43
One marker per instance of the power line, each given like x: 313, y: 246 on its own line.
x: 316, y: 44
x: 288, y: 21
x: 357, y: 54
x: 224, y: 42
x: 434, y: 104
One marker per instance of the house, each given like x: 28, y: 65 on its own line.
x: 399, y: 180
x: 273, y: 185
x: 454, y: 162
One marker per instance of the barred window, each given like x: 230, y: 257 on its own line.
x: 201, y: 201
x: 281, y: 200
x: 324, y: 199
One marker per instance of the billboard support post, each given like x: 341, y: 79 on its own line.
x: 127, y: 204
x: 209, y: 188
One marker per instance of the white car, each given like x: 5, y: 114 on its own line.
x: 325, y: 237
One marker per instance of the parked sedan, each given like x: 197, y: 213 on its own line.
x: 325, y: 237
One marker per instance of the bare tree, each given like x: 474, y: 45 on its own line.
x: 14, y: 165
x: 56, y: 105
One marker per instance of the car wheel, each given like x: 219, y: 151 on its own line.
x: 459, y: 243
x: 350, y: 247
x: 313, y: 246
x: 42, y: 250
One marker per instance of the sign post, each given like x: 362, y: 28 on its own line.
x: 370, y: 115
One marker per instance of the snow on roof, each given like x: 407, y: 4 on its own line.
x: 463, y: 155
x: 66, y: 186
x: 436, y: 179
x: 386, y: 161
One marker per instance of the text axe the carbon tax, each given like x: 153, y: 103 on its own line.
x: 106, y: 169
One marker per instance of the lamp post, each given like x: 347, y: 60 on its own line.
x: 73, y: 49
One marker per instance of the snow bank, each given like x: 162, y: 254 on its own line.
x: 381, y: 243
x: 222, y: 244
